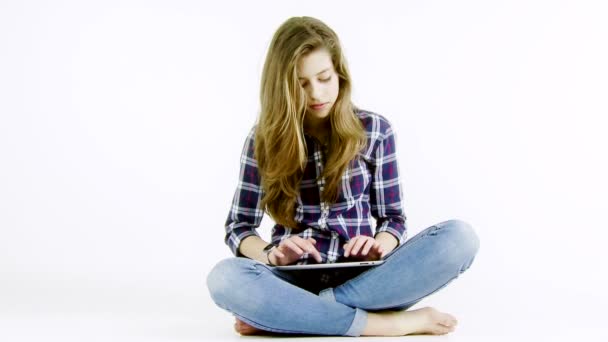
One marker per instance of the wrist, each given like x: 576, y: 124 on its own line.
x: 387, y: 240
x: 268, y: 252
x: 269, y: 260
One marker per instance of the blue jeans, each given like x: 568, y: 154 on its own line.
x: 323, y: 302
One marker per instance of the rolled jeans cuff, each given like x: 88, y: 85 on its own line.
x: 358, y: 324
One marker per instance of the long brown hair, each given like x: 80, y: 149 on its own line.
x: 280, y: 148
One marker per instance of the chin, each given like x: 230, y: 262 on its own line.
x: 320, y: 115
x: 317, y: 115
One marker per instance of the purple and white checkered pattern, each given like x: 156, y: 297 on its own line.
x: 370, y: 188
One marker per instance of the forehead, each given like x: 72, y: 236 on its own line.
x: 313, y: 63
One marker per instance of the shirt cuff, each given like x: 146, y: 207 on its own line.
x: 399, y: 231
x: 237, y: 236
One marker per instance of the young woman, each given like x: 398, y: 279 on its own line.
x: 322, y: 168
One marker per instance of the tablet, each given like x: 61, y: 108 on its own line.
x: 329, y: 265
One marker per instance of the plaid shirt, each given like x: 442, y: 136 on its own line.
x: 373, y: 189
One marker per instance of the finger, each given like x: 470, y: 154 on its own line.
x: 381, y: 252
x: 292, y: 246
x: 305, y: 245
x: 277, y: 253
x: 360, y: 242
x: 312, y: 249
x: 367, y: 246
x: 300, y: 242
x: 349, y: 246
x: 317, y: 255
x: 377, y: 248
x: 272, y: 256
x: 374, y: 254
x: 308, y: 247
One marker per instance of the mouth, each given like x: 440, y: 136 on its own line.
x: 318, y: 106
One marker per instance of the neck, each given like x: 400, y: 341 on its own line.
x: 320, y: 129
x: 315, y: 126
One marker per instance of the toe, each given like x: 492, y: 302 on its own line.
x: 447, y: 322
x: 442, y: 330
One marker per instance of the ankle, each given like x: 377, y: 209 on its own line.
x: 379, y: 324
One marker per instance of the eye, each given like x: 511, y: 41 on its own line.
x: 324, y: 80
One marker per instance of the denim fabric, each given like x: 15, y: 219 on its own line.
x: 336, y: 302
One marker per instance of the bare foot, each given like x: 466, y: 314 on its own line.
x: 398, y: 323
x: 388, y: 323
x: 246, y: 329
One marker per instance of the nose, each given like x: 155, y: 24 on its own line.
x: 315, y: 93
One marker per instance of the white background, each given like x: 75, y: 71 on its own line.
x: 122, y: 122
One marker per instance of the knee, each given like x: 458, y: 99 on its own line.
x: 226, y: 275
x: 462, y: 239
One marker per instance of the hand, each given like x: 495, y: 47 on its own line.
x: 363, y: 248
x: 291, y: 249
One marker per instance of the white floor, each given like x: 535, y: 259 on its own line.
x: 490, y: 311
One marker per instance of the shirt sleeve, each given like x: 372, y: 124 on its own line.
x: 385, y: 192
x: 245, y: 213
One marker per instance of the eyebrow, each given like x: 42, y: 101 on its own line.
x: 320, y: 72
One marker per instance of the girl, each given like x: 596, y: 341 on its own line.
x: 320, y: 166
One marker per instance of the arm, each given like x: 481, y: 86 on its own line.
x: 245, y: 213
x: 386, y: 194
x: 252, y: 247
x: 385, y: 203
x: 387, y: 241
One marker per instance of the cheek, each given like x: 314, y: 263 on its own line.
x: 335, y: 88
